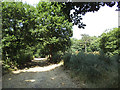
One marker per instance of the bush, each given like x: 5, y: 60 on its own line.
x: 66, y: 59
x: 109, y: 42
x: 24, y: 58
x: 57, y: 57
x: 86, y: 64
x: 8, y: 65
x: 92, y: 68
x: 36, y: 55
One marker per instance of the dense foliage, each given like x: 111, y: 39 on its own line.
x: 17, y: 21
x: 110, y: 42
x: 46, y: 29
x: 92, y: 69
x: 53, y: 29
x: 86, y: 43
x: 28, y: 30
x: 99, y: 66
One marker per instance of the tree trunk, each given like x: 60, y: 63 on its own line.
x: 50, y: 53
x: 85, y: 47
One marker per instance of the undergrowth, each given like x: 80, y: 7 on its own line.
x: 95, y: 70
x: 16, y: 63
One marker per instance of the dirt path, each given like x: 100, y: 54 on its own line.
x: 52, y: 76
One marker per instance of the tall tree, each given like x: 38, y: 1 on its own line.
x: 17, y: 21
x: 94, y: 44
x: 53, y: 29
x: 86, y: 40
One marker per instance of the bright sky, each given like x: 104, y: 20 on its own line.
x: 96, y: 23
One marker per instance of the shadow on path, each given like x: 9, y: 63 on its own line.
x: 44, y: 75
x: 37, y: 62
x: 40, y: 67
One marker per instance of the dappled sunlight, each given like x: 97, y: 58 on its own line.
x: 31, y: 80
x: 40, y: 69
x: 39, y: 59
x: 9, y: 78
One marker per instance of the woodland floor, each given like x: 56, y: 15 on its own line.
x: 40, y: 75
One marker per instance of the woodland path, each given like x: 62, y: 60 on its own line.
x: 39, y: 76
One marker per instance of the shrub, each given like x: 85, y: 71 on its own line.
x: 93, y: 68
x: 109, y: 42
x: 57, y: 57
x: 8, y: 65
x: 36, y: 55
x: 66, y: 59
x: 24, y: 58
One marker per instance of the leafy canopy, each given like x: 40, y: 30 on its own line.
x: 53, y: 29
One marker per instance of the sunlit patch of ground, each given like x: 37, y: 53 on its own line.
x: 32, y: 80
x: 40, y: 77
x: 40, y: 69
x: 40, y: 74
x: 39, y: 59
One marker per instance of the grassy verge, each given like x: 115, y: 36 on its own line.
x: 93, y: 70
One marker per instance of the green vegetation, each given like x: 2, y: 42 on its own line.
x: 86, y: 44
x: 16, y: 34
x: 53, y: 30
x: 30, y: 31
x: 96, y: 69
x: 46, y: 31
x: 110, y: 42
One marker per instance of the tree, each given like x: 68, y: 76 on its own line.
x: 76, y: 45
x: 17, y: 21
x: 86, y: 40
x: 81, y: 8
x: 110, y: 41
x: 53, y: 29
x: 94, y: 45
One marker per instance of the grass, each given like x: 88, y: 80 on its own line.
x: 95, y: 70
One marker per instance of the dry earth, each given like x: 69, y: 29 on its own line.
x: 51, y: 76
